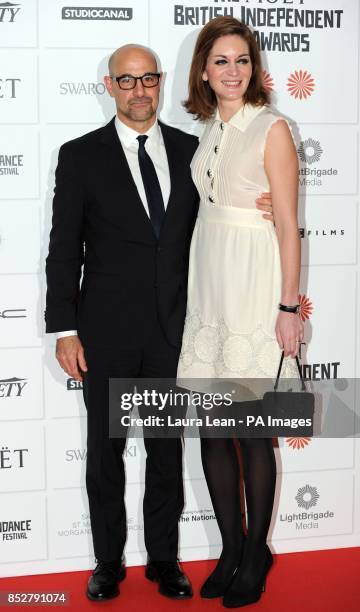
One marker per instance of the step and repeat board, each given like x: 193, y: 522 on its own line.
x: 53, y: 58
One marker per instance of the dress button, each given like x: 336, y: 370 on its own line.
x: 211, y: 199
x: 222, y: 126
x: 216, y: 149
x: 209, y: 173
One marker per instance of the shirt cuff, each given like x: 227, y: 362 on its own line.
x: 64, y: 334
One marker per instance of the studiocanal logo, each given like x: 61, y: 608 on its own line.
x: 74, y: 385
x: 301, y: 84
x: 310, y: 152
x: 11, y: 164
x: 95, y: 13
x: 12, y: 387
x: 8, y: 11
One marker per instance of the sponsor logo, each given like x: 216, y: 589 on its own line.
x: 310, y: 151
x: 15, y: 530
x: 12, y: 387
x: 97, y: 13
x: 74, y: 385
x: 13, y: 313
x: 297, y: 443
x: 8, y: 88
x: 301, y: 84
x: 8, y: 11
x: 11, y: 164
x: 77, y: 528
x: 80, y: 454
x: 81, y: 89
x: 320, y: 371
x: 321, y: 233
x: 12, y: 458
x: 307, y: 497
x: 196, y: 516
x: 306, y: 307
x: 268, y: 81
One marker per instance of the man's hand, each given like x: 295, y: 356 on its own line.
x: 264, y: 203
x: 70, y: 355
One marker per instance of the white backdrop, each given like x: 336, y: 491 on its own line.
x: 52, y: 62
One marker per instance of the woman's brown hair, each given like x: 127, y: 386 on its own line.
x: 202, y: 101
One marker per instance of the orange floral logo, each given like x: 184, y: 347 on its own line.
x: 301, y: 84
x: 268, y: 81
x: 298, y: 443
x: 306, y: 307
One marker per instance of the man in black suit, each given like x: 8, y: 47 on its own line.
x: 124, y: 210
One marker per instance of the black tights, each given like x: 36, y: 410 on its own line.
x: 222, y: 473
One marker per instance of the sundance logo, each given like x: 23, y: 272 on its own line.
x: 268, y: 81
x: 97, y: 13
x: 297, y: 443
x: 307, y: 497
x: 310, y: 151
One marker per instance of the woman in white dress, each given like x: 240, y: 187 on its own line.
x: 243, y: 281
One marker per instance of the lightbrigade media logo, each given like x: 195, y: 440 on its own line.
x: 94, y: 13
x: 307, y: 497
x: 310, y: 152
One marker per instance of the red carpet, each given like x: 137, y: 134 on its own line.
x: 325, y: 581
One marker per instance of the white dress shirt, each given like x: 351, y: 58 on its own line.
x: 155, y: 147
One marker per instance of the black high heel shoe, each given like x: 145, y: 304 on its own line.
x: 236, y: 596
x: 213, y: 588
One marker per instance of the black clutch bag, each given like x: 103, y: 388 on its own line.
x: 290, y: 407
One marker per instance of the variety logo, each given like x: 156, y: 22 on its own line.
x: 8, y: 88
x: 268, y: 81
x: 79, y: 89
x: 13, y: 313
x: 10, y: 164
x: 310, y: 151
x: 301, y: 84
x: 15, y: 530
x: 8, y: 11
x: 12, y: 387
x: 306, y: 307
x: 307, y: 497
x: 97, y: 13
x: 297, y: 443
x: 12, y: 458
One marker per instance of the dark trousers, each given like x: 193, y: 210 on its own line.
x: 105, y: 475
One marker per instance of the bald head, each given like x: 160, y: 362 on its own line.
x: 131, y: 54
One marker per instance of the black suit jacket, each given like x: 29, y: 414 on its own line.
x: 130, y: 278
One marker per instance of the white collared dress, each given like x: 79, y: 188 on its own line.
x: 234, y: 282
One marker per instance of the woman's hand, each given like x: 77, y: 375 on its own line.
x: 289, y: 332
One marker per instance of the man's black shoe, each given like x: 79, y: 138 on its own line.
x: 103, y: 583
x: 172, y: 580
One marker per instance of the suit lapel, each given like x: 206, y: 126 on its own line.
x: 124, y: 187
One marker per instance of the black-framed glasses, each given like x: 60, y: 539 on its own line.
x: 128, y: 81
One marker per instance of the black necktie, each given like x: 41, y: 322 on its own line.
x: 152, y: 186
